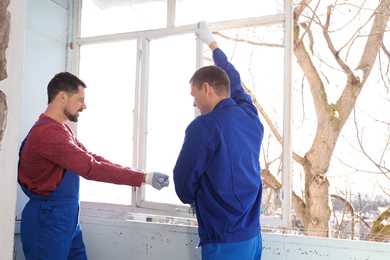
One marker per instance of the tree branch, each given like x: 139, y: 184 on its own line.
x: 307, y: 28
x: 296, y: 157
x: 248, y: 41
x: 300, y: 8
x: 316, y: 85
x: 335, y: 53
x: 298, y: 204
x: 374, y: 39
x: 382, y: 169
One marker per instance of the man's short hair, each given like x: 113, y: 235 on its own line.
x: 215, y: 77
x: 63, y: 82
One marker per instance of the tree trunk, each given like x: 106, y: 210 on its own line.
x: 331, y: 117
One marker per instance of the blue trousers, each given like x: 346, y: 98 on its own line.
x: 245, y: 250
x: 50, y: 229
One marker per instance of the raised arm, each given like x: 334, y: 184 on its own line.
x: 237, y: 92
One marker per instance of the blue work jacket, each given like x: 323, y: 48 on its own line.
x: 218, y: 167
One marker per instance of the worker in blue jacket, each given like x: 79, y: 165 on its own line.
x: 218, y: 169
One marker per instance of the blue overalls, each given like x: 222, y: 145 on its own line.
x: 50, y: 227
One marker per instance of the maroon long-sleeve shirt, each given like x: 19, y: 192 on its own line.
x: 51, y: 148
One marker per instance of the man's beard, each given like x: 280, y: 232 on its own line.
x: 72, y: 117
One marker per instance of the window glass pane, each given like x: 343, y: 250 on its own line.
x: 192, y: 11
x: 100, y: 17
x: 258, y: 55
x: 106, y: 126
x: 170, y: 107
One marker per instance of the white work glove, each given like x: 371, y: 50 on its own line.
x: 157, y: 179
x: 204, y: 33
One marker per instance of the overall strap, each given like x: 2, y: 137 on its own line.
x: 21, y: 146
x: 26, y: 191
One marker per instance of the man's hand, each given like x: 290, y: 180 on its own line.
x: 204, y: 33
x: 157, y: 179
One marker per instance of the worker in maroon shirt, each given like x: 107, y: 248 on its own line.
x: 51, y: 161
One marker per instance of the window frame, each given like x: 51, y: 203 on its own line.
x: 143, y: 38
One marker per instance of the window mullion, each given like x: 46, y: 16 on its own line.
x: 141, y: 123
x: 171, y: 13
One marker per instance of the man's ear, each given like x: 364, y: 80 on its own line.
x: 207, y: 89
x: 62, y: 97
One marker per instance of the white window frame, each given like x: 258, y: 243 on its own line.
x: 139, y: 204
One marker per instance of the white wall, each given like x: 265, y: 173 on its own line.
x: 107, y: 235
x: 282, y: 247
x: 46, y: 35
x: 12, y: 87
x: 36, y: 51
x: 110, y: 236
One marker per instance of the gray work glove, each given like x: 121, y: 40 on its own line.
x: 157, y: 179
x: 204, y: 33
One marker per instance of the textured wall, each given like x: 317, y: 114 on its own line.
x: 12, y: 31
x: 3, y: 114
x: 4, y: 38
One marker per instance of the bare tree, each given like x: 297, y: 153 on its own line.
x: 330, y: 117
x: 313, y: 207
x: 347, y: 38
